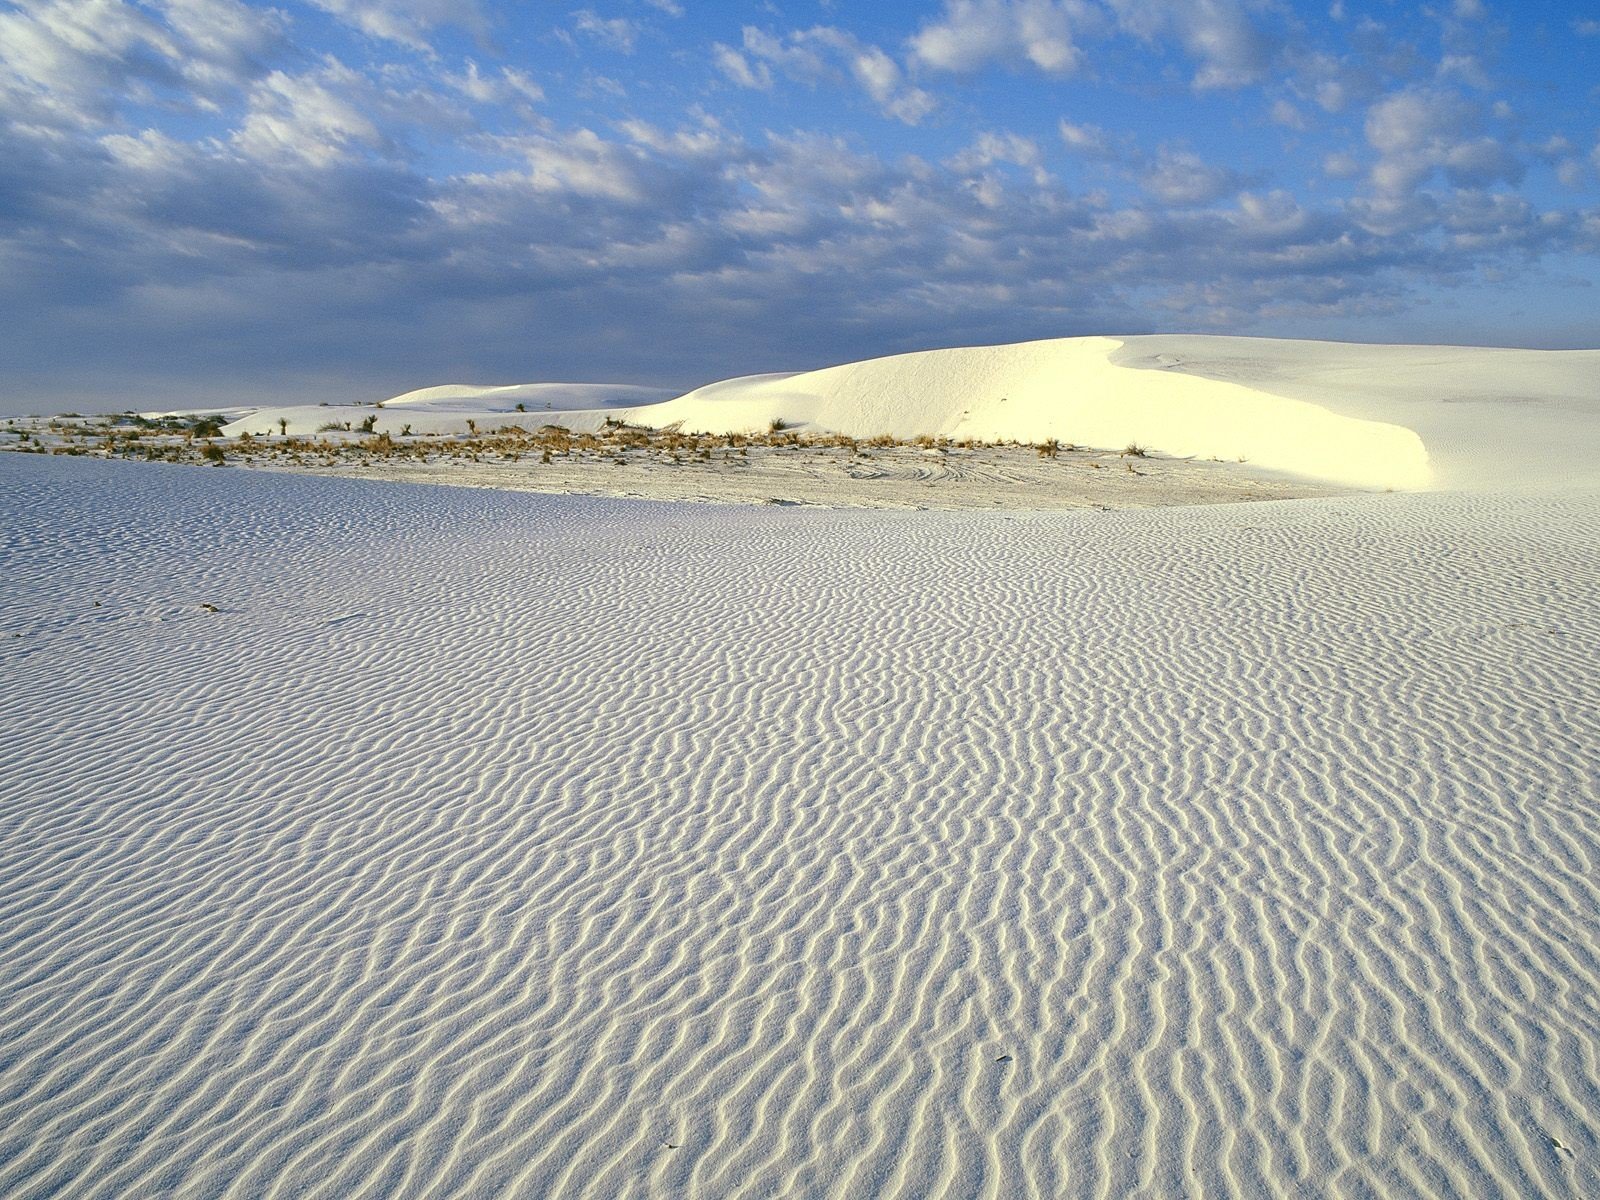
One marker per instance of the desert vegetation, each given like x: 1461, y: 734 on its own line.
x: 196, y: 439
x: 776, y: 459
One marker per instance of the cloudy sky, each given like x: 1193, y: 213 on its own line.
x: 208, y: 200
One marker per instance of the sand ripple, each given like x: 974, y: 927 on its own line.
x: 495, y: 844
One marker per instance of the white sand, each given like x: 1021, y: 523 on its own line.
x: 1408, y: 417
x: 501, y: 845
x: 903, y: 476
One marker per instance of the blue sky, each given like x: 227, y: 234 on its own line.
x: 205, y: 201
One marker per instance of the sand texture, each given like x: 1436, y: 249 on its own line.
x: 393, y: 840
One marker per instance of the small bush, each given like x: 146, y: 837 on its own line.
x: 371, y: 423
x: 212, y: 453
x: 1134, y: 450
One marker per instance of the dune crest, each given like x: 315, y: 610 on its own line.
x: 1073, y: 390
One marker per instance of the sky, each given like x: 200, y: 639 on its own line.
x: 214, y: 202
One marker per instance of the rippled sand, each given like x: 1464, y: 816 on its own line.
x: 407, y: 841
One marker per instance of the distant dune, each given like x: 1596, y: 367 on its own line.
x: 1403, y: 417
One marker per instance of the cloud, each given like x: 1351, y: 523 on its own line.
x: 580, y: 163
x: 507, y: 85
x: 971, y: 34
x: 1183, y: 178
x: 1286, y: 114
x: 306, y: 117
x: 407, y: 22
x: 740, y: 69
x: 995, y: 149
x: 824, y: 53
x: 616, y: 33
x: 333, y: 112
x: 1422, y: 130
x: 1223, y: 36
x: 73, y: 63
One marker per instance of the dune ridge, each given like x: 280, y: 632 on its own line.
x: 1368, y: 416
x: 490, y: 844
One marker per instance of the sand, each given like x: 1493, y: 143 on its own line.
x: 492, y: 844
x: 404, y: 840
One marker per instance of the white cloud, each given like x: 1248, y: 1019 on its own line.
x: 311, y: 117
x: 223, y: 40
x: 1340, y: 165
x: 618, y: 33
x: 1464, y: 67
x: 406, y: 22
x: 1221, y: 35
x: 579, y: 163
x: 1088, y: 140
x: 1422, y: 130
x: 991, y: 148
x: 1184, y: 178
x: 1586, y: 27
x: 822, y: 53
x: 74, y: 62
x: 508, y: 85
x: 880, y: 77
x: 671, y: 7
x: 971, y: 34
x: 1286, y: 114
x: 740, y: 69
x: 708, y: 142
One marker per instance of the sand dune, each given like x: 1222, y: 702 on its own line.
x: 487, y: 844
x: 1403, y: 417
x: 448, y: 408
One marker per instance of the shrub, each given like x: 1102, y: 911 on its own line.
x: 206, y: 427
x: 212, y: 453
x: 1048, y: 449
x: 371, y: 423
x: 1134, y: 450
